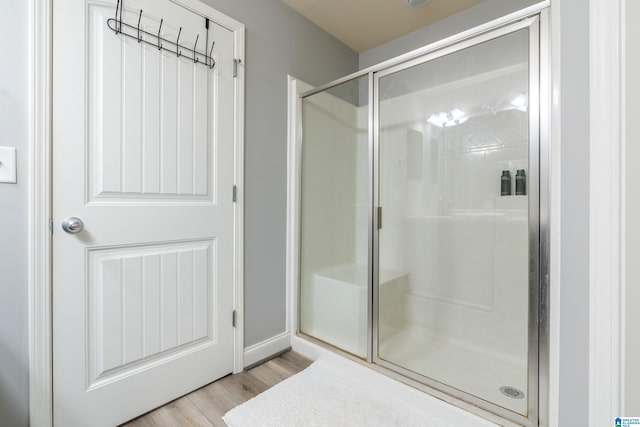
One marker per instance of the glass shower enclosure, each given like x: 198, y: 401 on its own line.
x: 334, y: 212
x: 420, y: 218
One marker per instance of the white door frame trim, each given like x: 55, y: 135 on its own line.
x: 294, y: 137
x: 606, y: 208
x: 39, y: 209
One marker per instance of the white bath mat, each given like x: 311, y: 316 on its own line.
x: 323, y: 395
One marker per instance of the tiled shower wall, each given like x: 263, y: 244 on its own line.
x: 461, y: 244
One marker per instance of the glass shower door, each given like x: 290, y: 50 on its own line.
x: 457, y: 174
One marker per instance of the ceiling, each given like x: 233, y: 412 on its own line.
x: 364, y: 24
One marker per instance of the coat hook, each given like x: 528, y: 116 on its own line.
x: 121, y: 8
x: 116, y: 18
x: 195, y: 60
x: 213, y: 63
x: 178, y: 53
x: 160, y: 38
x: 196, y: 56
x: 139, y: 18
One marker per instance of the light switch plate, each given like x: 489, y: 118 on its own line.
x: 8, y: 165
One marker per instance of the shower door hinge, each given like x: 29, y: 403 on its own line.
x: 235, y: 194
x: 51, y: 226
x: 233, y: 319
x: 236, y: 61
x: 379, y: 217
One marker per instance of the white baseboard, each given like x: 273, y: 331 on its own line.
x: 267, y: 348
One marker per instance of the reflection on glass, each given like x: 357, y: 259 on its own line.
x: 453, y: 252
x: 334, y: 216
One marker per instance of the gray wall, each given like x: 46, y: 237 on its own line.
x: 574, y: 281
x: 574, y: 253
x: 279, y: 41
x: 14, y: 361
x: 633, y: 211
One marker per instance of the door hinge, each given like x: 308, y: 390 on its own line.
x: 235, y: 193
x: 236, y: 61
x: 50, y: 226
x: 233, y: 319
x: 379, y: 217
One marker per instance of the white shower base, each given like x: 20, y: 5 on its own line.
x: 473, y: 370
x: 339, y: 318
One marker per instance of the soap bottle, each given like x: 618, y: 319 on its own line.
x: 505, y: 183
x: 521, y: 183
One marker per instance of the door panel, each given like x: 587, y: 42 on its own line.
x: 155, y: 104
x: 458, y: 316
x: 146, y: 301
x: 143, y: 144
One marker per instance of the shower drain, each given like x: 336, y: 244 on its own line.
x: 511, y: 392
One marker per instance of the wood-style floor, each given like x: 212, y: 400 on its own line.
x: 206, y: 406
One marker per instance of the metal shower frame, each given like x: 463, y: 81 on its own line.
x: 535, y: 19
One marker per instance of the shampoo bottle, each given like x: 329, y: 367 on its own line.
x: 505, y: 183
x: 521, y: 183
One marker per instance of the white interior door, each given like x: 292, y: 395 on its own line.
x: 143, y: 154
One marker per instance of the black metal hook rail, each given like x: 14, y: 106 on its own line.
x: 117, y: 24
